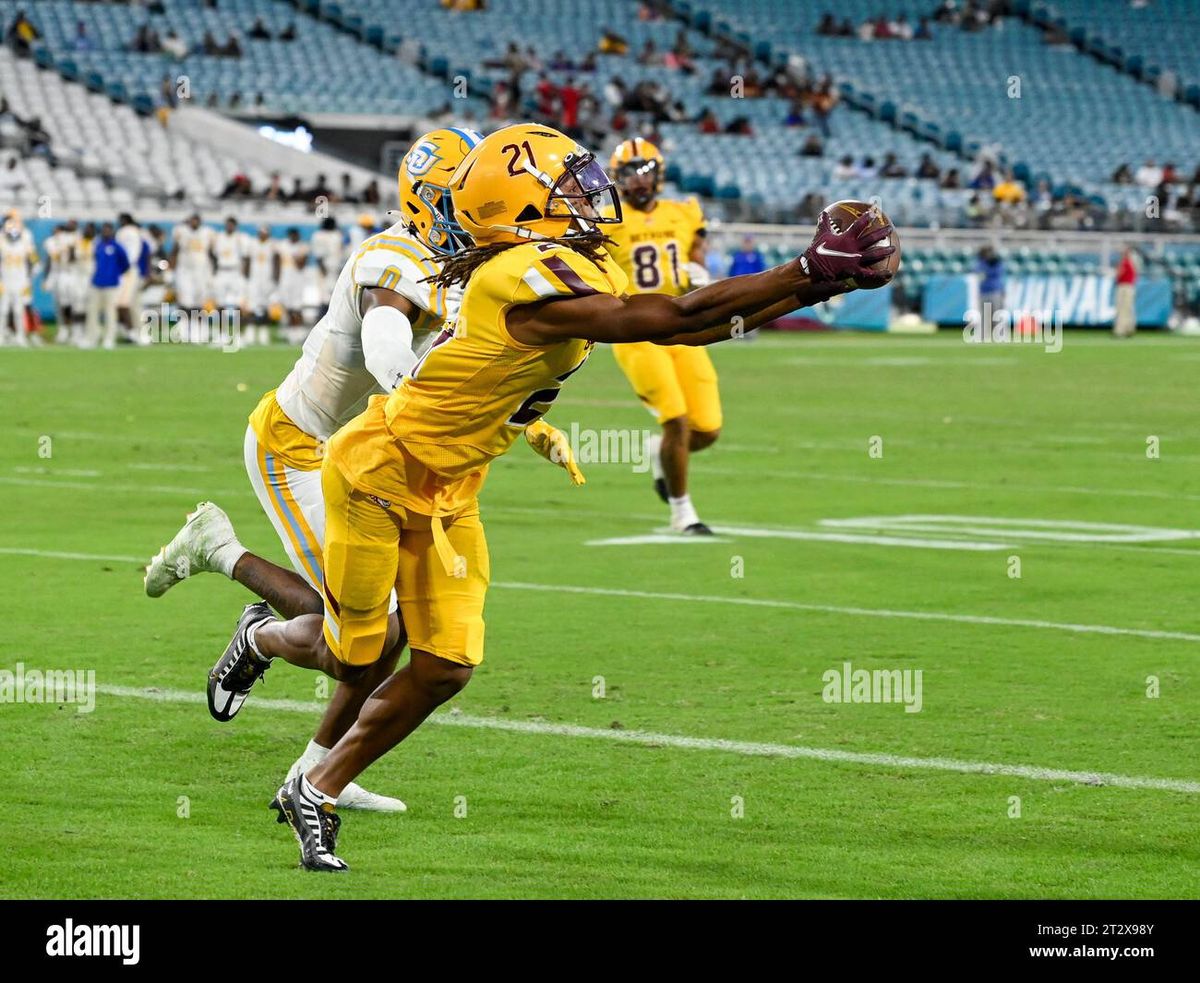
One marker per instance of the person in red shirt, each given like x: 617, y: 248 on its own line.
x: 568, y: 97
x: 1125, y: 321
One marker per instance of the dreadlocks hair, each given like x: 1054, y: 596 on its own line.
x: 460, y: 267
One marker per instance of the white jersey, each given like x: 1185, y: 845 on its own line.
x: 329, y: 384
x: 292, y: 256
x: 57, y: 248
x: 15, y: 257
x: 84, y: 263
x: 129, y: 238
x: 327, y: 248
x: 194, y: 245
x: 230, y: 249
x: 262, y: 259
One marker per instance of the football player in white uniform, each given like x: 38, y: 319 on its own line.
x: 17, y: 257
x: 190, y: 259
x: 291, y: 256
x: 231, y: 258
x: 57, y: 275
x: 260, y: 283
x: 82, y: 265
x: 129, y: 294
x: 381, y: 317
x: 327, y: 249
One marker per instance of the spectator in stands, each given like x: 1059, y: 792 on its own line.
x: 812, y: 146
x: 650, y: 54
x: 1149, y: 175
x: 545, y: 94
x: 21, y: 34
x: 612, y: 43
x: 827, y: 27
x: 347, y: 193
x: 38, y: 140
x: 892, y: 167
x: 823, y: 103
x: 259, y: 31
x: 809, y: 209
x: 232, y: 47
x: 319, y: 190
x: 238, y: 187
x: 568, y: 100
x: 501, y: 101
x: 1125, y: 321
x: 648, y: 11
x: 867, y: 170
x: 82, y: 41
x: 275, y: 190
x: 167, y: 93
x: 923, y: 32
x: 370, y: 195
x: 846, y: 29
x: 288, y: 33
x: 951, y: 180
x: 533, y: 60
x: 560, y: 62
x: 985, y: 178
x: 901, y: 29
x: 588, y: 64
x: 209, y: 44
x: 882, y: 28
x: 175, y: 46
x: 990, y: 268
x: 947, y: 12
x: 1169, y: 175
x: 10, y: 178
x: 748, y: 259
x: 740, y: 126
x: 708, y: 122
x: 844, y: 169
x: 927, y: 168
x: 796, y: 115
x: 1009, y: 191
x: 752, y: 85
x: 298, y: 193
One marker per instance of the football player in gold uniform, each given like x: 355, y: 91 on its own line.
x: 401, y: 480
x: 660, y: 246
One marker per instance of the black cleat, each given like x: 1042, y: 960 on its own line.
x: 660, y: 486
x: 239, y: 668
x: 315, y: 825
x: 696, y: 529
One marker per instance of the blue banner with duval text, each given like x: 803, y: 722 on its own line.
x: 867, y: 310
x: 1086, y: 299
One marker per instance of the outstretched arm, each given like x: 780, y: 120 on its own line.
x: 833, y: 263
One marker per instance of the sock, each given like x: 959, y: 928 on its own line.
x: 683, y: 513
x: 654, y: 452
x: 250, y: 640
x: 310, y: 791
x: 314, y: 752
x: 224, y: 558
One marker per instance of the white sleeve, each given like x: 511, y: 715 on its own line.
x: 387, y: 345
x: 402, y: 268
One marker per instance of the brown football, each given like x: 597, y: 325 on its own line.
x: 842, y: 215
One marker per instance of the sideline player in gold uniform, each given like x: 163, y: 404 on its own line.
x: 401, y: 480
x: 660, y: 246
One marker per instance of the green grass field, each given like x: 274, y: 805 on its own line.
x: 563, y: 797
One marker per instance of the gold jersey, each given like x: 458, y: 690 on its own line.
x: 428, y: 445
x: 653, y: 247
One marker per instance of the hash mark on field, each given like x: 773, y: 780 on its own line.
x: 752, y: 749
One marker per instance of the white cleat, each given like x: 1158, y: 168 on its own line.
x: 353, y: 796
x: 191, y: 551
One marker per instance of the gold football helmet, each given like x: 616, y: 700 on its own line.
x: 529, y: 181
x: 424, y: 181
x: 639, y: 169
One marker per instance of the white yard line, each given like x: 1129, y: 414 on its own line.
x: 855, y: 612
x: 753, y: 749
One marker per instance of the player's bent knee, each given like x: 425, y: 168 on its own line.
x: 676, y: 427
x: 700, y: 439
x: 439, y: 678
